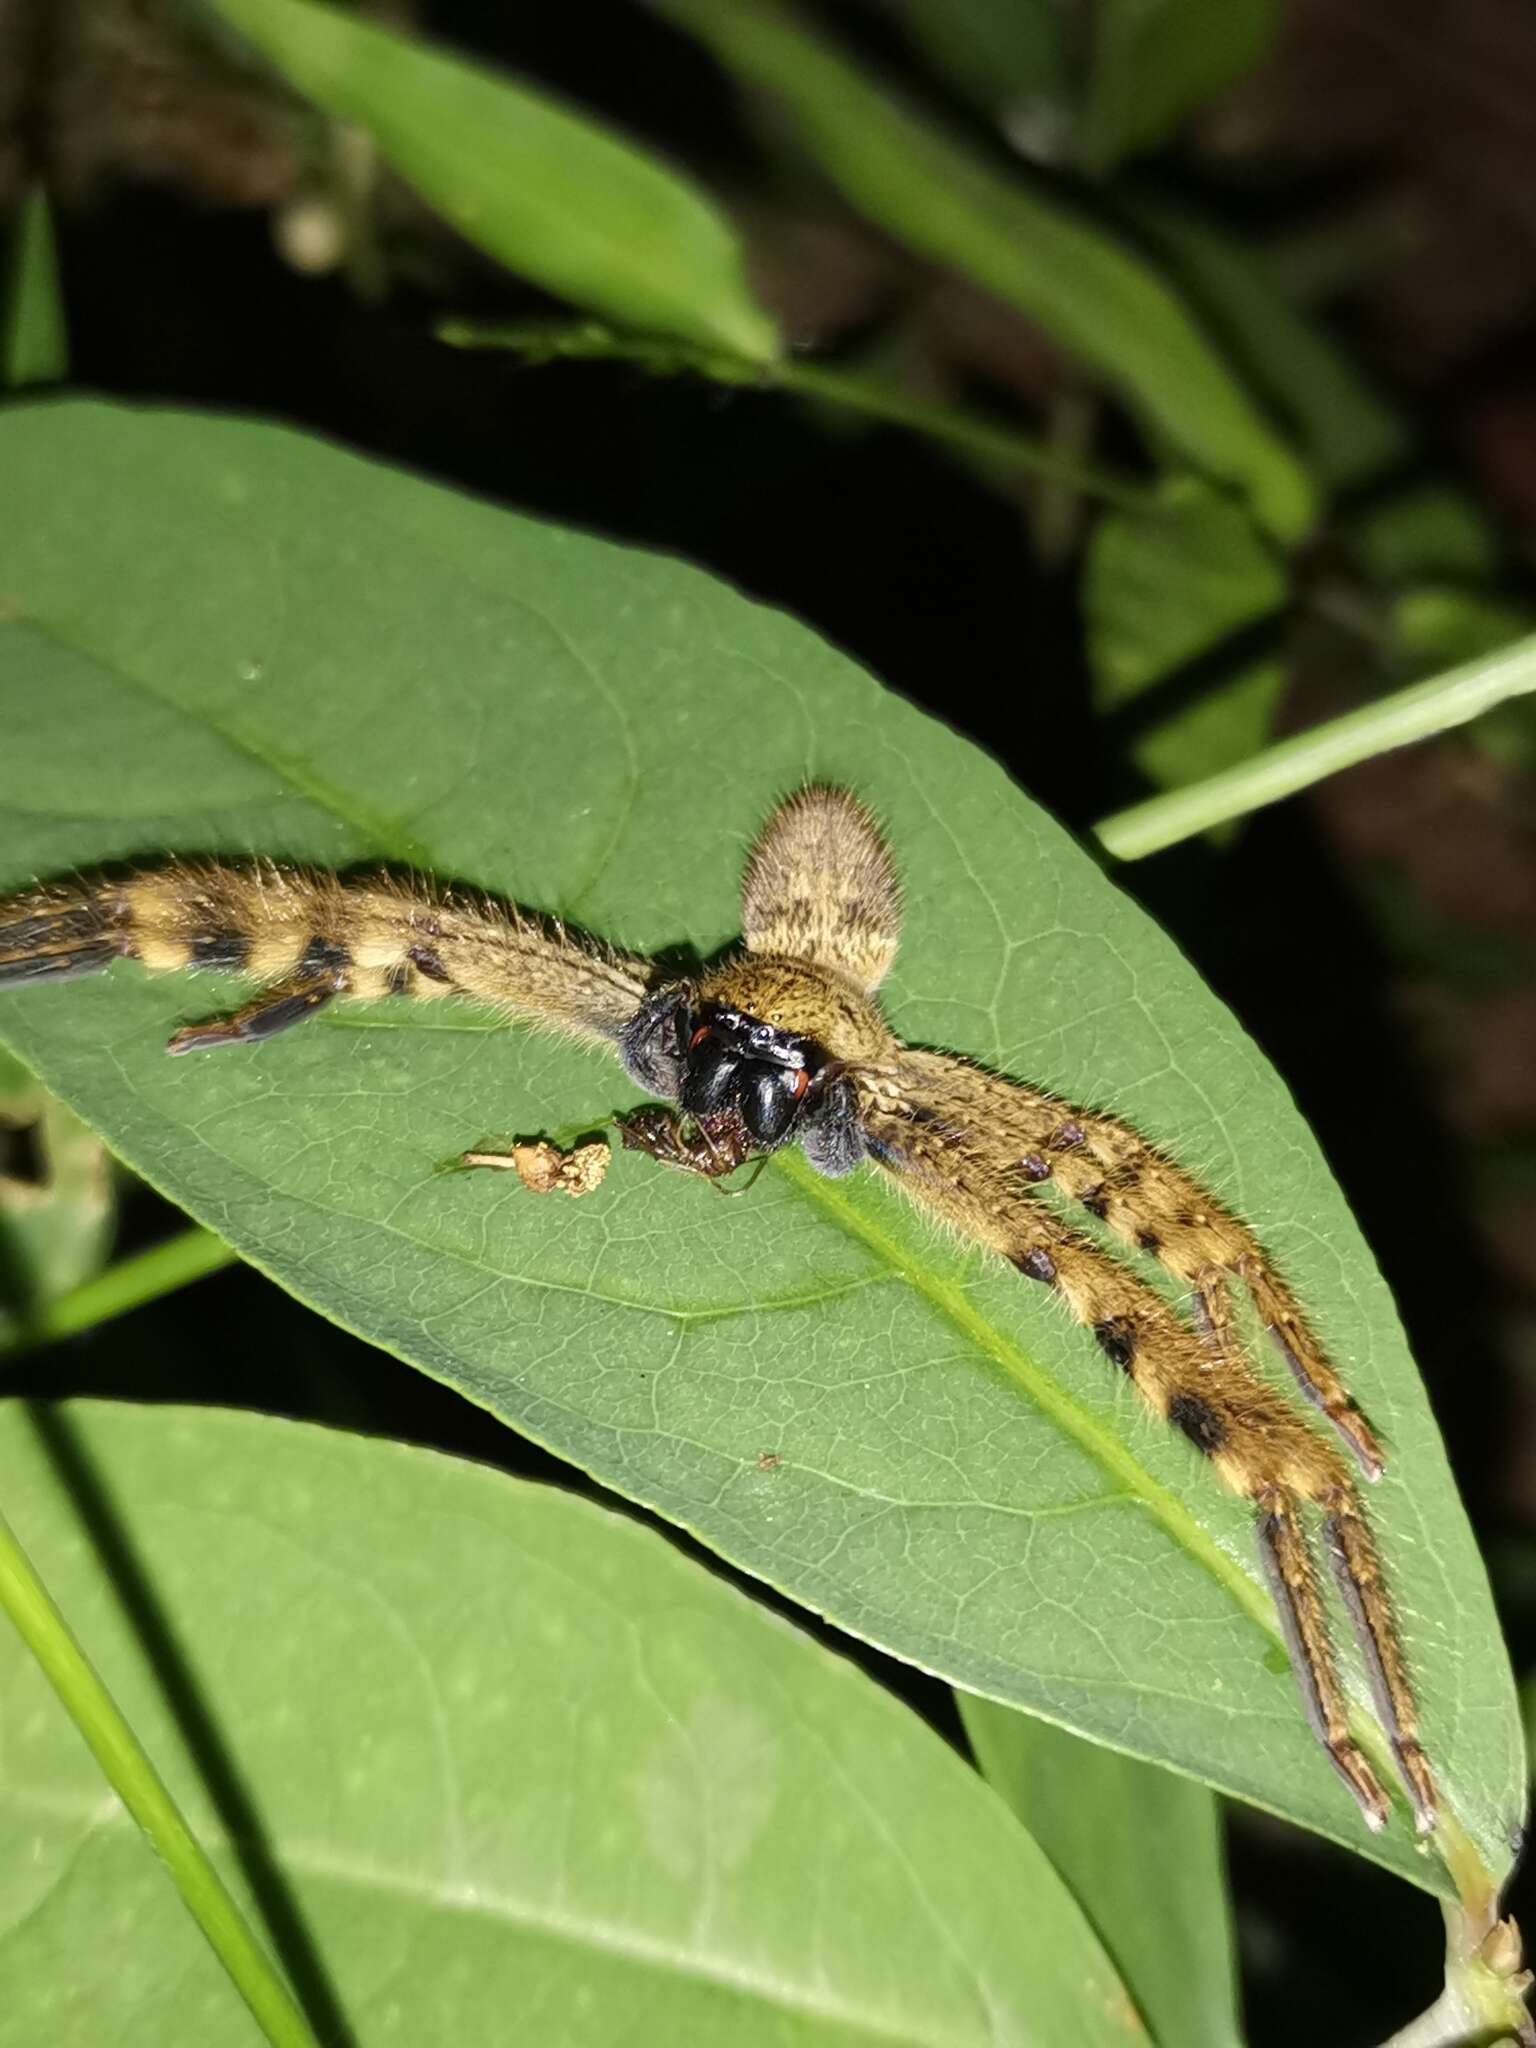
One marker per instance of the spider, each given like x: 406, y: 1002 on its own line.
x: 783, y: 1043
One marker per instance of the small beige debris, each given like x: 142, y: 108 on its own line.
x: 543, y: 1168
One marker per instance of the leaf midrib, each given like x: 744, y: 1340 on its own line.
x: 1090, y: 1435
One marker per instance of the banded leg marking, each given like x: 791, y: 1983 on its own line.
x: 1292, y: 1580
x: 271, y: 1012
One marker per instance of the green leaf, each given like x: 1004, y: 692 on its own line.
x: 1426, y: 530
x: 277, y: 647
x: 519, y: 1769
x: 1008, y: 57
x: 1228, y: 723
x: 56, y: 1228
x: 34, y: 346
x: 1162, y: 587
x: 1165, y: 585
x: 926, y: 187
x: 56, y: 1218
x: 15, y: 1078
x: 1436, y: 624
x: 550, y: 193
x: 1142, y: 1852
x: 59, y: 1661
x: 1155, y: 61
x: 1345, y: 430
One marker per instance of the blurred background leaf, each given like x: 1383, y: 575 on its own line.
x: 548, y: 191
x: 1153, y: 62
x: 1141, y: 1850
x: 924, y: 186
x: 57, y: 1200
x: 1011, y: 58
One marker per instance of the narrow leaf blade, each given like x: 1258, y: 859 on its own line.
x: 1101, y: 302
x: 1347, y: 432
x: 1141, y: 1850
x: 550, y: 193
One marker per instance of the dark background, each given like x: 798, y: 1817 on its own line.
x: 1420, y: 1086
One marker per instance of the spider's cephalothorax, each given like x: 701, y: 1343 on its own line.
x: 726, y: 1068
x: 738, y: 1062
x: 783, y: 1043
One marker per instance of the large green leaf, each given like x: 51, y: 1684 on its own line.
x: 522, y: 1772
x: 547, y: 191
x: 1141, y: 1850
x: 223, y: 636
x: 928, y: 188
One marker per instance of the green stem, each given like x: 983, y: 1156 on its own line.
x: 1396, y: 721
x: 1485, y: 1985
x: 589, y: 340
x: 958, y: 429
x: 34, y: 348
x: 137, y: 1783
x: 131, y: 1282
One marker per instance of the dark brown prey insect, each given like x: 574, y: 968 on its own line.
x: 783, y: 1043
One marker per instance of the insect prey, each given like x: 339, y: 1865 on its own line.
x: 784, y: 1043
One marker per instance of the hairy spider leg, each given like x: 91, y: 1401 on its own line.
x: 1146, y: 1200
x: 284, y: 1003
x: 1258, y: 1446
x: 1356, y: 1568
x: 1292, y: 1577
x: 310, y: 937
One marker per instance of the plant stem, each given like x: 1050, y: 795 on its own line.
x: 139, y: 1786
x: 958, y: 429
x: 128, y: 1284
x: 34, y: 348
x: 1293, y: 764
x: 590, y: 341
x: 1484, y: 2000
